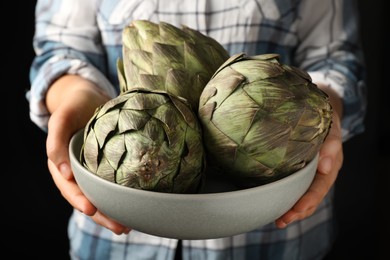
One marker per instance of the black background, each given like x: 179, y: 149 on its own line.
x: 35, y: 215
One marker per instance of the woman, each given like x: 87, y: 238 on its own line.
x: 77, y: 44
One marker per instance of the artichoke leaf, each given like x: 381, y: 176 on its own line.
x: 167, y: 56
x: 106, y: 124
x: 177, y: 82
x: 139, y: 100
x: 90, y: 151
x: 151, y: 82
x: 132, y: 120
x: 156, y: 131
x: 114, y: 150
x: 257, y: 69
x: 105, y: 170
x: 228, y: 78
x: 141, y: 61
x: 268, y: 94
x: 173, y: 35
x: 121, y: 75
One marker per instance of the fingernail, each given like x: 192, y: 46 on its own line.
x: 284, y: 224
x: 65, y: 170
x: 326, y: 165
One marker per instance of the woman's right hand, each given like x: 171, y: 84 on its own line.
x: 72, y: 100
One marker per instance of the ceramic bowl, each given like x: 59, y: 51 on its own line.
x: 218, y: 210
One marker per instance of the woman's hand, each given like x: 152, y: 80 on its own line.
x: 72, y: 101
x: 330, y: 162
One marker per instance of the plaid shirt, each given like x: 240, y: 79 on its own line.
x: 321, y: 37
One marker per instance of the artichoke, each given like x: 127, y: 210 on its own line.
x: 146, y: 140
x: 262, y: 120
x: 164, y: 57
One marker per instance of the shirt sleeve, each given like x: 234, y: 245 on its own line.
x: 331, y: 52
x: 66, y: 41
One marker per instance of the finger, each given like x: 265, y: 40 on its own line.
x: 308, y: 203
x: 331, y: 152
x: 71, y: 191
x: 110, y: 224
x: 57, y: 145
x: 330, y: 162
x: 331, y: 156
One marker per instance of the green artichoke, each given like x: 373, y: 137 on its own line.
x: 164, y: 57
x: 146, y: 140
x: 262, y: 120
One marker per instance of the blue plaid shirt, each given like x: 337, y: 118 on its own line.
x: 319, y: 36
